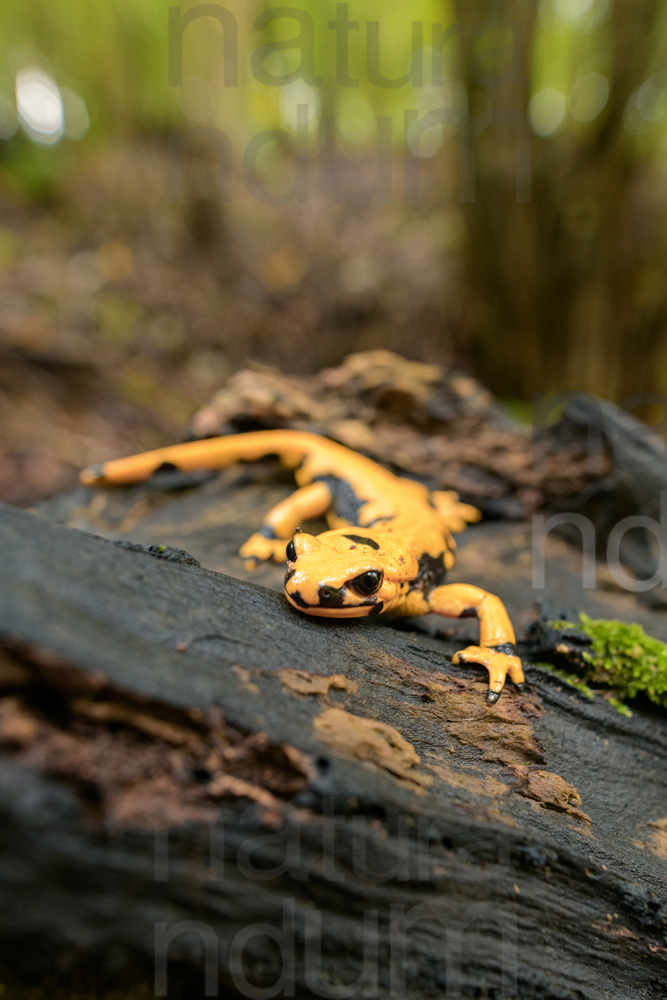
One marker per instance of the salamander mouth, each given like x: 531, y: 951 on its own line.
x: 332, y: 609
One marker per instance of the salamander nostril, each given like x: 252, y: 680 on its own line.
x: 331, y: 597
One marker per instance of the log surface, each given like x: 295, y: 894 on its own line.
x: 182, y: 746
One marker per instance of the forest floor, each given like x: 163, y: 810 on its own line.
x: 122, y: 310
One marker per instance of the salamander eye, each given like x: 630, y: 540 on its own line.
x: 368, y: 583
x: 290, y: 551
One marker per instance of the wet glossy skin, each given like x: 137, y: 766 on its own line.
x: 389, y: 544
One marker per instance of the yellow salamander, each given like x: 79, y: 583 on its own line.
x: 389, y: 544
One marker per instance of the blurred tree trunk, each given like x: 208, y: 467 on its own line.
x: 558, y: 253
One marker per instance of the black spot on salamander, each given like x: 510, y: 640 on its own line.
x: 468, y: 613
x: 331, y: 597
x: 166, y: 467
x: 170, y: 476
x: 378, y: 520
x: 290, y: 573
x: 362, y: 540
x: 344, y: 501
x: 376, y: 610
x: 266, y: 531
x: 430, y: 573
x: 505, y: 647
x: 298, y: 599
x: 270, y: 456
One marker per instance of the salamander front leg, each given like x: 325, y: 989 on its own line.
x: 282, y: 521
x: 496, y: 636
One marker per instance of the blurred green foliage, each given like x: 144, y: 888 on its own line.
x: 558, y: 103
x: 118, y: 58
x: 115, y: 55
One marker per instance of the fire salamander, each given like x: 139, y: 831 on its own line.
x: 388, y: 548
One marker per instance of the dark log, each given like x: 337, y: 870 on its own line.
x: 188, y: 760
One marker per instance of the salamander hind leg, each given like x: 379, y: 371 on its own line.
x: 455, y: 514
x: 496, y: 650
x: 282, y: 521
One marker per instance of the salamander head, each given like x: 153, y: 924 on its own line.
x: 336, y: 575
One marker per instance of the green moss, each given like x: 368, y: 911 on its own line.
x: 626, y: 659
x: 560, y: 625
x: 620, y: 706
x: 568, y: 678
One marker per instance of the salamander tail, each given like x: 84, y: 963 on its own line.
x: 211, y: 453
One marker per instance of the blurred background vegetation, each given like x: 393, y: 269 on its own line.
x: 184, y: 189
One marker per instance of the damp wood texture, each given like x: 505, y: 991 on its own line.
x: 202, y: 784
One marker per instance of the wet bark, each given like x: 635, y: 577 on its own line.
x: 181, y: 746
